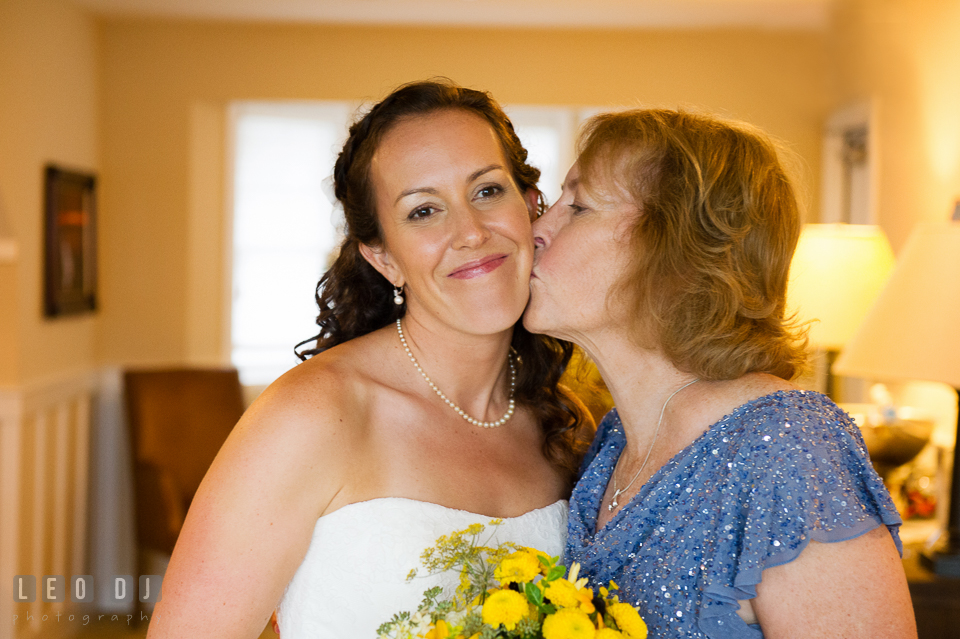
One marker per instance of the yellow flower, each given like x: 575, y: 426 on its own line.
x: 440, y: 631
x: 542, y: 567
x: 517, y: 567
x: 568, y: 623
x: 608, y: 633
x: 505, y: 607
x: 563, y: 593
x: 605, y: 592
x: 586, y: 600
x: 568, y: 595
x: 465, y: 582
x: 628, y: 620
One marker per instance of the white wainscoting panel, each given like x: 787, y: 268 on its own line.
x: 44, y: 470
x: 112, y: 520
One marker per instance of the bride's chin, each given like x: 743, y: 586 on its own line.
x: 490, y: 321
x: 492, y: 314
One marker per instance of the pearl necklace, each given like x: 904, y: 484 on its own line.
x: 617, y: 492
x: 460, y: 411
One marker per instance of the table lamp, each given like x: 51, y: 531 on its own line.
x: 836, y: 274
x: 912, y: 332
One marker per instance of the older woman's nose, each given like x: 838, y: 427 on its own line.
x: 543, y: 227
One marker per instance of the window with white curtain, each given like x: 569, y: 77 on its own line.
x: 283, y: 228
x: 548, y: 135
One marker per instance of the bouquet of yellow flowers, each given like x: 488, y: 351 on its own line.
x: 511, y: 592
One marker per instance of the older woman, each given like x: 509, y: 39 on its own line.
x: 724, y: 502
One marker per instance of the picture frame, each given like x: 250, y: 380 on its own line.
x: 70, y: 245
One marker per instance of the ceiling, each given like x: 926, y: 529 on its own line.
x: 775, y: 14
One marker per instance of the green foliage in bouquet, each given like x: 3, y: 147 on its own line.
x: 511, y: 592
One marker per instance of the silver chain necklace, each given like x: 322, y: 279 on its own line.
x: 619, y: 491
x: 476, y: 422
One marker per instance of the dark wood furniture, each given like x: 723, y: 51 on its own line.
x: 936, y: 600
x: 179, y: 419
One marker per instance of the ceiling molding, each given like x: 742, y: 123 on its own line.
x: 631, y: 14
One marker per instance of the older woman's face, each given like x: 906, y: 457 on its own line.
x: 582, y: 250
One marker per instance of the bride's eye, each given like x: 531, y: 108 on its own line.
x: 421, y: 212
x: 489, y: 191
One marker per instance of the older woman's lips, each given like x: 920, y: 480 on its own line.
x: 478, y: 267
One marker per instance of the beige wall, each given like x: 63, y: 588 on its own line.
x: 48, y: 113
x: 139, y: 100
x: 9, y: 326
x: 162, y: 78
x: 906, y: 55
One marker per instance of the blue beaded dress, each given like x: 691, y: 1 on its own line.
x: 746, y: 495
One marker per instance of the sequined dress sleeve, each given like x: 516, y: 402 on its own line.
x: 748, y: 494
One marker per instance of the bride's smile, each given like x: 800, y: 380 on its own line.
x: 456, y: 227
x: 476, y: 268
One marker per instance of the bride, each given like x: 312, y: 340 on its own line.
x: 424, y: 408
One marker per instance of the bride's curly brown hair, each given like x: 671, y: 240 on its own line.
x: 355, y: 299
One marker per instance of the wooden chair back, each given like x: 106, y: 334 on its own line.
x: 179, y: 419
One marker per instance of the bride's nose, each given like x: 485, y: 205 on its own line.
x: 470, y: 228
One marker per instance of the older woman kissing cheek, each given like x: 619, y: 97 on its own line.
x: 725, y: 502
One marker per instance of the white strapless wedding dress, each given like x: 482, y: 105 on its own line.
x: 353, y: 577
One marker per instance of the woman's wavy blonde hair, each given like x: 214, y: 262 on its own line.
x: 717, y: 227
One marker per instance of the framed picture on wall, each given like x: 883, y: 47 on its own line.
x: 70, y: 246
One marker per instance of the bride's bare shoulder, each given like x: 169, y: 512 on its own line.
x: 325, y: 396
x: 294, y: 451
x: 305, y: 429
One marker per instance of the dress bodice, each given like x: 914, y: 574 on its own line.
x: 353, y: 577
x: 748, y: 494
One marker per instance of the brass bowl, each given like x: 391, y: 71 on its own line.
x: 895, y: 444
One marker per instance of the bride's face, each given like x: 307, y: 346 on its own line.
x: 456, y: 228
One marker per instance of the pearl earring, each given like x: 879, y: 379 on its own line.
x: 398, y: 295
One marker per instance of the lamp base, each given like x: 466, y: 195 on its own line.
x: 944, y: 558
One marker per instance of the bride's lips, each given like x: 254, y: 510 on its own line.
x: 479, y: 267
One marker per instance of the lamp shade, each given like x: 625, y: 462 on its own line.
x: 836, y: 274
x: 913, y: 329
